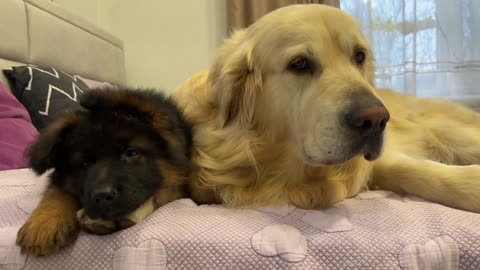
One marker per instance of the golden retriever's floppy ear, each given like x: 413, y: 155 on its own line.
x: 42, y: 154
x: 235, y: 81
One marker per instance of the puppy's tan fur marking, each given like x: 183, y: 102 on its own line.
x: 52, y: 225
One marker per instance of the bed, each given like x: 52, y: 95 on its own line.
x: 374, y: 230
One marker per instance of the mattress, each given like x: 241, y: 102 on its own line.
x: 374, y: 230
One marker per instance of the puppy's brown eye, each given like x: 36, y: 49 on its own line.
x: 132, y: 152
x: 300, y: 65
x: 359, y: 57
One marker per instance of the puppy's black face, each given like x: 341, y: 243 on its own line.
x: 115, y: 155
x: 114, y: 164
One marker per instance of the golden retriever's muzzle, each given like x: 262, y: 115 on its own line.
x: 367, y: 119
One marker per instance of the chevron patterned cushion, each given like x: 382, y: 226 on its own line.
x: 45, y: 92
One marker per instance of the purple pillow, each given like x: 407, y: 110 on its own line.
x: 16, y: 131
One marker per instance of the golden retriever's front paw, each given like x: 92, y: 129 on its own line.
x: 44, y: 235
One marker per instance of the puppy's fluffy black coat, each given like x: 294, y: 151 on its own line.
x: 122, y: 149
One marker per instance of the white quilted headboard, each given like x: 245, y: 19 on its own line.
x: 40, y: 32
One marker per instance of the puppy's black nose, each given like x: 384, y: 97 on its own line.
x: 370, y: 120
x: 104, y: 195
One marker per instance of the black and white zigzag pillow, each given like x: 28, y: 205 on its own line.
x: 45, y: 92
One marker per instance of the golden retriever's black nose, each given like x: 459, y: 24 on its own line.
x: 368, y: 120
x: 104, y: 195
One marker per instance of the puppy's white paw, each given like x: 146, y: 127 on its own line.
x: 95, y: 226
x: 101, y: 226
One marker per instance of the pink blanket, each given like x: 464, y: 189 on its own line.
x: 16, y: 131
x: 375, y: 230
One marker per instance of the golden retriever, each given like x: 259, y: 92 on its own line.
x: 288, y: 113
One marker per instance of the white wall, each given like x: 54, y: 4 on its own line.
x: 166, y: 41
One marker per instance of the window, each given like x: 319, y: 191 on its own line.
x: 423, y: 47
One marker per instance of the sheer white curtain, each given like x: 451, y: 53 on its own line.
x: 423, y: 47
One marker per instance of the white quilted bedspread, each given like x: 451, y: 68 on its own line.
x: 375, y: 230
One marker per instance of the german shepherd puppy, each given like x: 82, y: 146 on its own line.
x: 113, y: 163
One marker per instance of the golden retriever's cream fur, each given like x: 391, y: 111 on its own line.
x: 268, y: 131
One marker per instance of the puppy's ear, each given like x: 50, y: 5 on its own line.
x: 236, y: 81
x: 43, y: 153
x: 99, y: 98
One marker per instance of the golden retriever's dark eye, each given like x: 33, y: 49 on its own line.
x: 300, y: 65
x: 131, y: 152
x: 359, y: 57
